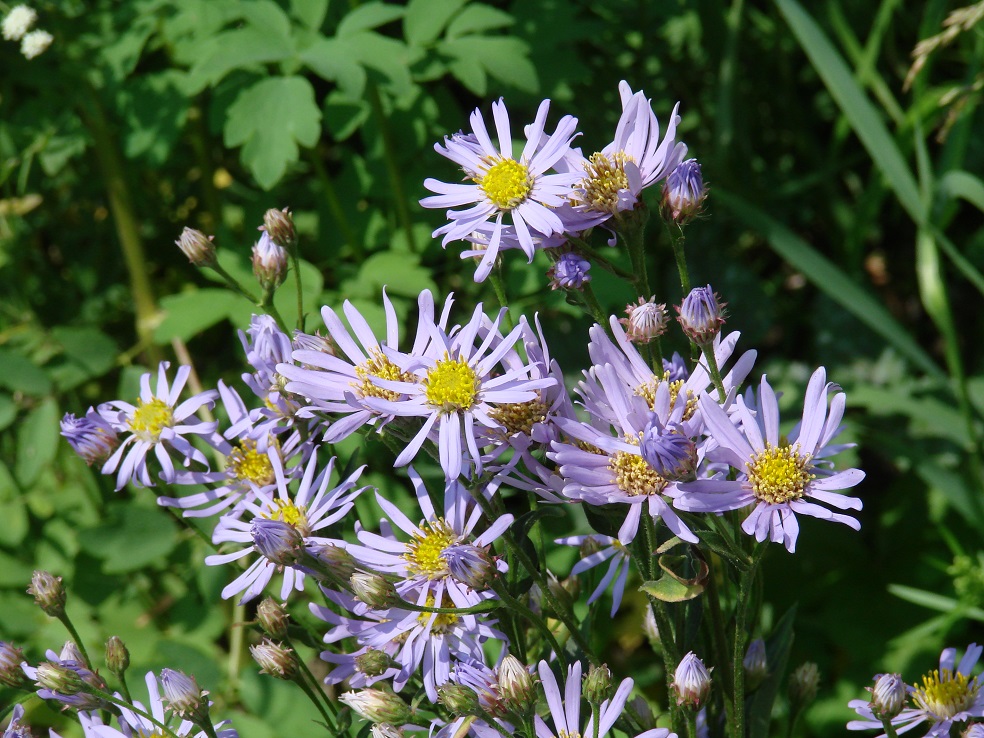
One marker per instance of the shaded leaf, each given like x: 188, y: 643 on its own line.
x: 367, y: 16
x: 759, y: 704
x: 425, y: 19
x: 37, y: 442
x: 189, y: 313
x: 477, y: 17
x: 132, y: 538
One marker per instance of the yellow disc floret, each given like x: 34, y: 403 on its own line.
x: 519, y: 417
x: 945, y: 694
x: 443, y: 621
x: 249, y: 465
x: 633, y: 474
x: 647, y: 390
x: 779, y: 474
x: 451, y: 385
x: 287, y: 512
x: 424, y: 551
x: 507, y: 183
x: 605, y: 177
x: 150, y: 418
x: 378, y: 366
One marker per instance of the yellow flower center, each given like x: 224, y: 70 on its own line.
x: 779, y: 474
x: 379, y: 366
x: 150, y: 418
x: 633, y: 474
x: 451, y: 385
x: 443, y: 621
x: 519, y: 417
x: 249, y: 465
x: 605, y: 176
x: 648, y: 389
x: 424, y: 554
x: 287, y: 512
x: 945, y: 694
x: 507, y: 183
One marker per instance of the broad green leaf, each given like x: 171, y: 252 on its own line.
x: 269, y: 16
x: 502, y: 57
x: 476, y: 18
x: 367, y: 16
x: 8, y: 411
x: 310, y: 12
x: 132, y: 538
x: 20, y: 374
x: 670, y: 589
x: 957, y: 183
x: 241, y: 48
x: 13, y: 510
x: 332, y: 60
x: 401, y: 274
x: 187, y: 314
x: 856, y: 107
x: 830, y: 279
x: 269, y: 120
x: 470, y: 72
x: 344, y: 116
x: 425, y: 19
x: 389, y: 57
x: 37, y: 442
x: 88, y: 353
x: 777, y: 647
x: 154, y: 108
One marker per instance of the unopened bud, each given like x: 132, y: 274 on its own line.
x: 646, y: 321
x: 668, y: 451
x: 117, y: 655
x: 640, y: 708
x: 385, y: 730
x: 378, y: 706
x: 313, y: 342
x: 373, y: 589
x: 516, y: 686
x: 460, y: 700
x: 683, y: 192
x: 71, y: 652
x: 184, y: 697
x: 701, y: 315
x: 651, y: 629
x: 888, y: 696
x: 570, y: 272
x: 280, y: 225
x: 58, y: 678
x: 70, y: 683
x: 597, y: 684
x: 197, y: 247
x: 278, y: 541
x: 339, y: 561
x: 470, y: 565
x: 755, y: 664
x: 974, y: 731
x: 48, y: 593
x: 91, y: 437
x: 272, y: 618
x: 269, y: 263
x: 275, y: 659
x: 691, y: 682
x: 803, y: 683
x: 11, y: 673
x: 373, y: 662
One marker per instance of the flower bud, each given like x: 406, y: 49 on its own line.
x: 385, y: 730
x: 803, y: 683
x: 313, y: 342
x: 641, y: 710
x: 49, y: 594
x: 184, y: 697
x: 71, y: 652
x: 671, y: 454
x: 755, y: 664
x: 974, y: 731
x: 516, y: 686
x: 691, y: 682
x: 339, y: 561
x: 570, y: 272
x: 683, y: 192
x: 275, y: 659
x: 280, y: 225
x: 117, y: 655
x: 888, y: 696
x: 460, y: 700
x: 272, y: 618
x: 470, y: 565
x: 378, y: 706
x: 58, y: 678
x: 68, y: 682
x: 646, y: 320
x: 269, y: 263
x: 597, y: 684
x: 373, y: 662
x: 91, y: 437
x: 701, y: 315
x: 11, y: 673
x: 278, y: 541
x: 373, y: 589
x: 651, y: 629
x: 197, y: 247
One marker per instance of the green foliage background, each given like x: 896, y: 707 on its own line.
x: 843, y: 228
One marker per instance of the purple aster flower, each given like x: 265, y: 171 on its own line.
x: 266, y: 348
x: 503, y: 185
x: 565, y: 707
x: 946, y: 697
x: 16, y: 728
x: 91, y: 437
x: 778, y: 477
x: 64, y: 669
x: 683, y: 192
x: 481, y: 237
x: 156, y: 422
x: 668, y: 450
x: 570, y: 272
x: 602, y: 549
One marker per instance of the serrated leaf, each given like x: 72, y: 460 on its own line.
x: 133, y: 537
x: 37, y: 442
x: 477, y: 18
x: 425, y: 19
x: 668, y: 589
x: 503, y: 57
x: 187, y: 314
x: 368, y: 15
x: 270, y: 119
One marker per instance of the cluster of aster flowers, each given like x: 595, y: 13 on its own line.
x: 438, y: 601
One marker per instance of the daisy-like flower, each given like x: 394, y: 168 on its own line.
x: 503, y: 185
x: 565, y: 708
x: 481, y: 237
x: 945, y: 697
x: 156, y: 422
x: 302, y: 515
x: 602, y: 549
x: 456, y: 387
x: 50, y: 675
x: 779, y: 477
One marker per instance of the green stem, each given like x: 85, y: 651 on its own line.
x: 745, y: 582
x: 70, y: 627
x: 124, y: 687
x: 890, y: 731
x: 499, y: 286
x: 594, y: 307
x: 719, y: 640
x: 132, y: 708
x: 595, y: 257
x: 392, y: 166
x: 678, y: 240
x: 707, y: 349
x: 233, y: 283
x: 301, y: 682
x: 519, y: 609
x: 336, y: 209
x: 691, y: 718
x: 635, y: 243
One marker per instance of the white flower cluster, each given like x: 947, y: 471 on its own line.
x: 16, y: 26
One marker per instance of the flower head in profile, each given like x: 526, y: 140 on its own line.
x: 90, y: 436
x: 18, y: 22
x: 778, y: 477
x: 596, y: 550
x: 503, y: 186
x: 683, y: 192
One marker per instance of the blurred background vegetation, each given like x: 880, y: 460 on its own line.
x: 843, y: 228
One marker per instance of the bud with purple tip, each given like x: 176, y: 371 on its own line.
x: 646, y: 321
x: 691, y: 682
x: 269, y: 263
x: 470, y: 565
x: 701, y: 315
x: 683, y: 192
x: 280, y: 225
x: 197, y: 247
x: 570, y: 272
x: 91, y: 437
x: 668, y: 451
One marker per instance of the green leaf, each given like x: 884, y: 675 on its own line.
x: 476, y: 18
x: 777, y: 647
x: 13, y: 510
x: 187, y: 314
x: 8, y: 411
x: 310, y: 12
x: 37, y: 442
x: 425, y: 19
x: 344, y: 116
x: 502, y: 57
x: 934, y: 601
x: 670, y: 589
x: 311, y: 284
x: 856, y: 107
x: 154, y: 108
x: 241, y: 48
x: 268, y: 16
x: 957, y: 183
x: 19, y: 374
x: 270, y: 119
x: 332, y: 60
x: 401, y: 274
x: 470, y: 73
x: 831, y: 280
x: 88, y: 353
x: 132, y: 538
x: 367, y: 16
